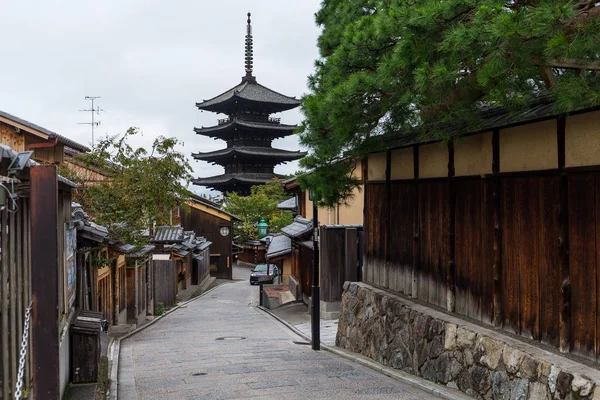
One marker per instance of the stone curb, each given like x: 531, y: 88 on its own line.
x: 115, y: 347
x: 425, y: 385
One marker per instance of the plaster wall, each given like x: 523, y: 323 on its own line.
x: 403, y: 166
x: 376, y: 167
x: 530, y: 147
x: 473, y: 155
x: 582, y: 140
x: 433, y: 160
x: 352, y: 213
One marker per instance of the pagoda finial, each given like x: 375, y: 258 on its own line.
x: 249, y: 53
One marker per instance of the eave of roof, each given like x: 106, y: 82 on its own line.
x: 300, y: 227
x: 289, y: 204
x: 541, y: 108
x: 274, y: 155
x: 243, y: 177
x: 211, y: 205
x: 266, y: 128
x: 251, y: 92
x: 37, y: 130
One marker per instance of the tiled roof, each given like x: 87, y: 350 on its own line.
x: 252, y: 92
x: 142, y: 252
x: 275, y: 155
x: 289, y: 204
x: 244, y: 177
x: 171, y: 234
x: 280, y: 245
x: 60, y: 138
x: 300, y: 226
x: 267, y: 128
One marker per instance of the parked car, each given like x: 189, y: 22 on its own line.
x: 264, y: 273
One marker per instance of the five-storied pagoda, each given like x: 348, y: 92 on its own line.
x: 249, y: 158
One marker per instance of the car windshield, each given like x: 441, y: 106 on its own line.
x: 260, y: 268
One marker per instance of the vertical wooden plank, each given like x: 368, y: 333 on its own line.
x: 366, y: 220
x: 549, y: 261
x: 582, y: 258
x: 4, y: 327
x: 562, y: 277
x: 13, y: 297
x: 498, y: 193
x: 27, y: 277
x: 511, y: 223
x: 19, y: 267
x: 486, y: 252
x: 450, y: 273
x: 463, y: 225
x: 597, y: 266
x: 351, y: 255
x: 423, y: 272
x: 530, y: 189
x: 416, y: 227
x: 387, y: 226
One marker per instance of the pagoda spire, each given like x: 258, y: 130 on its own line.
x: 249, y: 52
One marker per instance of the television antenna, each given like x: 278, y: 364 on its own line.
x: 94, y: 110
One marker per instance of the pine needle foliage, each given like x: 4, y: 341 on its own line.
x: 396, y: 65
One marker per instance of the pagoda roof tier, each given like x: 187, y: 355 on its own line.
x: 251, y: 178
x: 228, y: 126
x: 269, y: 154
x: 249, y: 95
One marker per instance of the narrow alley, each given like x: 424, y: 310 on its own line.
x: 222, y: 347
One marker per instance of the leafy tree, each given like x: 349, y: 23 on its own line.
x: 394, y: 65
x: 261, y: 203
x: 143, y: 186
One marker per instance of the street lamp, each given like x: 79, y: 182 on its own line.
x: 263, y: 228
x: 315, y: 323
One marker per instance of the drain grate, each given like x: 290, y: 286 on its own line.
x: 302, y: 343
x: 199, y: 374
x: 231, y: 338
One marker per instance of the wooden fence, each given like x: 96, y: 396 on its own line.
x: 526, y: 259
x: 165, y: 282
x: 15, y: 294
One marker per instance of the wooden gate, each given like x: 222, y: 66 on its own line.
x: 15, y: 294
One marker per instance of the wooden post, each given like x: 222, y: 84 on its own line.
x: 416, y: 253
x: 12, y: 237
x: 44, y: 281
x: 563, y: 243
x: 497, y: 196
x: 451, y: 272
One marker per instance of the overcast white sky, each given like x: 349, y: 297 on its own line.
x: 151, y: 61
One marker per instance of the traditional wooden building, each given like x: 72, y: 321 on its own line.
x: 209, y: 220
x: 248, y: 130
x: 499, y: 224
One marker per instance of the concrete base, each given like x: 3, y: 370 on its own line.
x: 330, y: 309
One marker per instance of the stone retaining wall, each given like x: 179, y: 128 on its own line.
x: 441, y: 348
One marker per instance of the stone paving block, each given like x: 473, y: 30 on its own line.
x: 159, y: 362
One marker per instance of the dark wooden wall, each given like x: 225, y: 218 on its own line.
x: 207, y: 225
x: 518, y: 250
x: 165, y: 282
x: 338, y: 260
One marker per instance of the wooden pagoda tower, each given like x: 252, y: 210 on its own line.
x: 248, y: 130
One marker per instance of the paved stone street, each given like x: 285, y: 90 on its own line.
x: 221, y: 347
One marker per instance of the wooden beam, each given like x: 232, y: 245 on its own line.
x: 351, y: 255
x: 563, y: 243
x: 416, y: 253
x: 451, y: 271
x: 365, y: 177
x: 497, y: 198
x: 44, y: 281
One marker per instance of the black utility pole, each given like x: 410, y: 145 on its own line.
x: 316, y: 303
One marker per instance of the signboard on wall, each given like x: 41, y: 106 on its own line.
x: 70, y: 264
